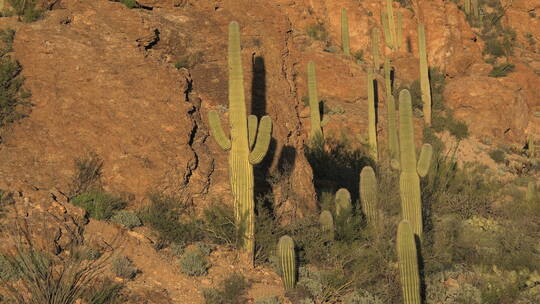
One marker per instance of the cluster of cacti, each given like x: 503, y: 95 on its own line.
x: 424, y: 74
x: 393, y: 144
x: 375, y: 48
x: 245, y: 149
x: 372, y: 128
x: 408, y: 263
x: 345, y: 32
x: 368, y: 194
x: 327, y: 224
x: 409, y: 180
x: 287, y: 261
x: 315, y: 116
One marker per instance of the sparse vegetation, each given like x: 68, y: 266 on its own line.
x: 499, y: 156
x: 231, y: 291
x: 501, y: 70
x: 193, y: 263
x: 127, y: 219
x: 189, y: 60
x: 99, y: 205
x: 318, y: 32
x: 26, y: 10
x: 123, y: 267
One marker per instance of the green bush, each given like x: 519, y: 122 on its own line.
x: 230, y: 291
x: 87, y: 176
x: 193, y: 263
x: 268, y: 300
x: 123, y: 267
x: 219, y: 225
x: 12, y: 94
x: 26, y: 10
x: 127, y: 219
x: 499, y: 156
x: 99, y: 205
x: 501, y: 70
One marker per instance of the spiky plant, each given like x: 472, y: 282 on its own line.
x: 375, y: 48
x: 424, y: 74
x: 315, y: 115
x: 368, y: 193
x: 391, y: 24
x: 372, y: 128
x: 408, y: 264
x: 287, y: 261
x: 245, y: 150
x: 393, y: 145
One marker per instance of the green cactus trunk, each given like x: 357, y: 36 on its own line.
x: 399, y: 37
x: 409, y: 181
x: 327, y: 224
x: 531, y: 146
x: 287, y: 260
x: 316, y: 131
x: 241, y: 157
x: 372, y: 128
x: 375, y: 48
x: 386, y: 29
x: 393, y: 145
x: 467, y: 7
x: 391, y: 24
x: 368, y: 194
x: 475, y: 9
x: 345, y: 32
x: 408, y: 264
x: 424, y: 74
x: 530, y: 195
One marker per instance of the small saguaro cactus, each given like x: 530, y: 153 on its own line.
x: 327, y: 223
x: 375, y: 48
x: 368, y: 194
x: 287, y: 261
x: 343, y: 203
x: 315, y: 115
x: 393, y: 145
x: 424, y: 74
x: 409, y: 180
x: 372, y: 128
x: 244, y: 149
x: 408, y: 264
x: 345, y: 32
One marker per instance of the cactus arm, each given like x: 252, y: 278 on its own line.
x: 287, y: 259
x: 393, y: 145
x: 425, y: 160
x: 391, y: 23
x: 406, y: 133
x: 345, y: 32
x: 368, y: 193
x: 386, y: 29
x: 216, y: 131
x: 424, y: 74
x: 408, y: 264
x: 252, y: 130
x: 372, y: 128
x: 316, y: 130
x: 263, y: 141
x: 399, y: 35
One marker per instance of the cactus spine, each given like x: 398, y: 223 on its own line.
x: 327, y: 223
x: 409, y: 181
x: 375, y: 48
x: 368, y: 194
x: 393, y: 145
x: 424, y: 76
x: 391, y: 24
x: 241, y: 157
x: 408, y: 264
x: 372, y: 128
x: 316, y: 130
x: 345, y: 32
x: 287, y: 258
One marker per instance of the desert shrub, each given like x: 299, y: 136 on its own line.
x: 129, y: 3
x: 193, y: 263
x: 268, y: 300
x: 501, y: 70
x: 359, y: 56
x: 87, y: 174
x: 12, y: 93
x: 105, y: 292
x: 267, y: 229
x: 178, y: 249
x: 499, y: 156
x: 127, y: 219
x: 7, y: 272
x: 230, y: 291
x: 205, y: 248
x: 189, y: 60
x: 438, y: 292
x: 26, y: 10
x: 99, y: 205
x: 7, y: 36
x: 123, y: 267
x: 317, y: 32
x: 168, y: 217
x: 362, y: 297
x: 219, y: 225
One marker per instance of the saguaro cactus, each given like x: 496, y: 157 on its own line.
x: 467, y: 6
x: 345, y: 32
x: 287, y: 260
x: 375, y: 48
x: 399, y: 37
x: 409, y: 181
x: 343, y: 203
x: 327, y: 223
x: 372, y: 128
x: 386, y: 29
x: 531, y: 146
x: 475, y: 9
x: 241, y: 156
x: 391, y: 24
x: 408, y: 264
x: 368, y: 193
x: 393, y: 145
x: 424, y: 74
x: 531, y: 191
x: 316, y: 130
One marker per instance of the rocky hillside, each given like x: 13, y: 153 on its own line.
x: 118, y: 114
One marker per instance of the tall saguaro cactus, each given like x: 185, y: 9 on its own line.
x: 408, y: 264
x: 242, y: 156
x: 391, y: 24
x: 375, y: 48
x: 409, y: 180
x: 315, y: 115
x: 345, y: 32
x: 424, y: 74
x: 372, y: 128
x: 368, y: 193
x: 393, y: 145
x: 287, y: 260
